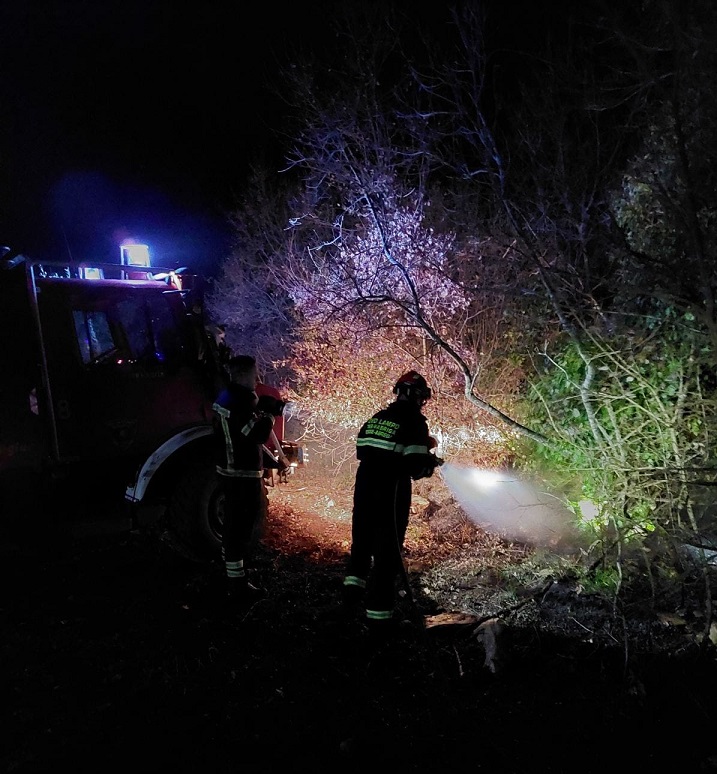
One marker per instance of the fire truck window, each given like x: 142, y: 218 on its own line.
x: 165, y: 328
x: 94, y: 336
x: 133, y: 320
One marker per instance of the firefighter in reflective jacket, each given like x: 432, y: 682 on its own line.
x: 241, y: 427
x: 393, y: 448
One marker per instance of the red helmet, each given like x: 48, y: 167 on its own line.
x: 413, y: 385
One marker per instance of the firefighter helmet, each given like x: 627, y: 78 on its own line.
x: 413, y: 384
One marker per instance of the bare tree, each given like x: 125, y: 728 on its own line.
x: 617, y: 102
x: 368, y: 253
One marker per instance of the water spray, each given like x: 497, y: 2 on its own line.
x: 500, y: 501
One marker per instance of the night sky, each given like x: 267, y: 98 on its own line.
x: 135, y: 118
x: 139, y: 118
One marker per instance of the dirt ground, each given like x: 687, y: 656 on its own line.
x: 117, y: 656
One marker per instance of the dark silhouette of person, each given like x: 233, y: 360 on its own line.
x: 393, y: 449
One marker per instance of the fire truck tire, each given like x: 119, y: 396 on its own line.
x: 195, y: 512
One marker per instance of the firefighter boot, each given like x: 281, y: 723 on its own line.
x: 381, y: 633
x: 352, y: 597
x: 242, y: 594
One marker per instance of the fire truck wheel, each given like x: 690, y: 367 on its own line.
x: 196, y: 512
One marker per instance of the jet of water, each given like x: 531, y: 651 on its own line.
x: 501, y: 502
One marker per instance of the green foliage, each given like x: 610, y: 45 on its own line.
x: 602, y: 580
x: 629, y: 415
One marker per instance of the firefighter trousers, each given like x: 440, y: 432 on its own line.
x: 378, y: 529
x: 244, y: 506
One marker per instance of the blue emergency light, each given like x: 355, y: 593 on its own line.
x: 135, y: 255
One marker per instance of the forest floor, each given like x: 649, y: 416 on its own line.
x: 117, y: 655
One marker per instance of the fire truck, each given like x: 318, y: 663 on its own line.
x: 108, y: 375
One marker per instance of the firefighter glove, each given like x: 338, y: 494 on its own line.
x: 271, y: 405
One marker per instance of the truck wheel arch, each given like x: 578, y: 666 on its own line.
x: 181, y: 473
x: 157, y: 461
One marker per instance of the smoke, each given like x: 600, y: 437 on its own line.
x: 499, y: 501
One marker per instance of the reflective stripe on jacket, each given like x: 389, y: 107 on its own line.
x: 240, y: 433
x: 395, y: 441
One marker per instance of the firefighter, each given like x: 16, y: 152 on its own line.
x: 393, y: 449
x: 241, y: 428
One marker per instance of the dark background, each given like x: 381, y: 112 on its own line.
x: 139, y: 118
x: 129, y: 118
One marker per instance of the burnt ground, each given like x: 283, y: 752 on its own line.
x: 117, y: 656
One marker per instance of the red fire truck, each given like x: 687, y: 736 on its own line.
x: 108, y: 376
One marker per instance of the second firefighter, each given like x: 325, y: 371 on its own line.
x: 393, y: 449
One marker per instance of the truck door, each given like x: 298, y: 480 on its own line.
x: 122, y: 370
